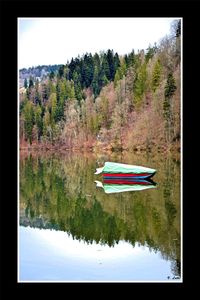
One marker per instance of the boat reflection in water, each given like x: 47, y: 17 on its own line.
x: 119, y: 185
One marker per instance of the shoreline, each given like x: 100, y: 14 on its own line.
x: 63, y: 150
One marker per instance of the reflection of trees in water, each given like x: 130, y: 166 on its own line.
x: 171, y: 213
x: 168, y: 192
x: 60, y: 194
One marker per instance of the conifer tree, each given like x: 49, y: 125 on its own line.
x: 156, y: 75
x: 110, y: 59
x: 31, y: 82
x: 28, y: 120
x: 38, y: 121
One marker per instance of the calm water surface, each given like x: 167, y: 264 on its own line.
x: 71, y: 230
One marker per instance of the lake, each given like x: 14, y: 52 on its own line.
x: 72, y: 230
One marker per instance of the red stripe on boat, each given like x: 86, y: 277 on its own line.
x: 125, y: 175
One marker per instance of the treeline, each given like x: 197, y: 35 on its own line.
x: 106, y: 100
x: 38, y: 71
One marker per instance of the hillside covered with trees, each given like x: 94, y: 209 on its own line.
x: 107, y: 101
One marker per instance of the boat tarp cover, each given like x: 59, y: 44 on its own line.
x: 118, y: 188
x: 111, y: 167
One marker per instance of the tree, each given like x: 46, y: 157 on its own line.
x: 38, y: 121
x: 61, y: 71
x: 47, y: 131
x: 95, y: 84
x: 44, y: 93
x: 131, y: 58
x: 170, y: 89
x: 53, y: 107
x: 87, y: 70
x: 118, y: 76
x: 170, y: 86
x: 31, y: 82
x: 28, y: 121
x: 102, y: 80
x: 140, y: 84
x: 110, y: 59
x: 51, y: 75
x: 156, y: 75
x: 150, y: 52
x: 77, y: 85
x: 37, y: 98
x: 105, y: 67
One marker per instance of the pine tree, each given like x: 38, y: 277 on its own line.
x: 77, y: 85
x: 31, y: 82
x: 118, y: 76
x: 61, y: 71
x: 28, y: 121
x: 37, y: 99
x: 95, y: 85
x: 38, y: 121
x: 51, y: 75
x: 140, y: 84
x: 156, y: 75
x: 131, y: 58
x: 110, y: 59
x: 116, y: 62
x: 53, y: 106
x: 47, y: 125
x: 170, y: 86
x: 105, y: 67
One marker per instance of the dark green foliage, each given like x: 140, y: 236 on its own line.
x: 31, y: 82
x: 150, y: 52
x: 95, y: 82
x: 166, y: 109
x: 44, y: 92
x: 38, y: 121
x: 72, y: 67
x: 126, y: 59
x: 110, y: 59
x: 116, y: 62
x: 140, y: 84
x: 28, y: 120
x: 37, y: 99
x: 131, y: 58
x: 77, y: 85
x: 61, y: 71
x: 102, y: 80
x: 156, y: 75
x: 170, y: 86
x: 51, y: 75
x: 105, y: 67
x: 87, y: 70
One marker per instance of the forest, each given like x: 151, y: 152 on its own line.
x: 107, y: 101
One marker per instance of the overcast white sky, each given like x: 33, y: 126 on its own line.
x: 48, y: 41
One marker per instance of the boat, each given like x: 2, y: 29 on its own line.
x: 118, y: 186
x: 112, y: 170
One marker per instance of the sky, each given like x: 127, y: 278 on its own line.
x: 49, y: 41
x: 52, y: 255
